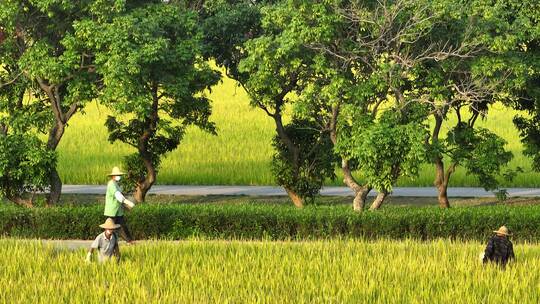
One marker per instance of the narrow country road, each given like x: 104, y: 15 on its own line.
x: 278, y: 191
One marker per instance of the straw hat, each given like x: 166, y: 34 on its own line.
x: 503, y: 230
x: 116, y: 171
x: 109, y: 224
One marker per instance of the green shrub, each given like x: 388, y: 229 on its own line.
x: 316, y: 159
x: 252, y: 221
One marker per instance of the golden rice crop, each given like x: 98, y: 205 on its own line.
x: 335, y: 271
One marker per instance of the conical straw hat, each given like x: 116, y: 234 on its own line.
x: 502, y: 230
x: 116, y: 171
x: 109, y: 224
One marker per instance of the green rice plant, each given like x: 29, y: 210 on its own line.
x: 338, y: 271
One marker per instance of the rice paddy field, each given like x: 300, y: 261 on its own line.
x: 241, y: 152
x: 332, y: 271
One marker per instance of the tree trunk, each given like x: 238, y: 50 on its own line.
x: 379, y: 200
x: 144, y: 186
x: 55, y: 183
x: 360, y: 192
x: 56, y: 132
x: 441, y: 179
x: 443, y: 196
x: 144, y: 150
x: 140, y: 193
x: 294, y: 157
x: 294, y: 151
x: 359, y: 200
x: 295, y: 198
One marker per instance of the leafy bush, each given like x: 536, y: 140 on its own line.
x: 25, y: 165
x: 275, y: 222
x: 315, y: 161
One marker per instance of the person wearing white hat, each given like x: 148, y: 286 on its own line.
x: 499, y: 248
x: 115, y: 202
x: 106, y: 243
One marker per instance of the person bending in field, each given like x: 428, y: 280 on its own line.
x: 115, y: 203
x: 106, y: 243
x: 499, y: 248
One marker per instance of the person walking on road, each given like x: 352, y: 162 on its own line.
x: 106, y: 243
x: 499, y: 248
x: 115, y: 203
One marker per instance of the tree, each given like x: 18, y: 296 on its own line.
x: 57, y: 70
x: 479, y: 150
x: 386, y: 147
x: 451, y: 84
x: 363, y: 76
x: 413, y: 52
x: 277, y: 67
x: 237, y: 35
x: 511, y: 33
x: 24, y: 167
x: 303, y: 178
x: 149, y: 58
x: 227, y: 25
x: 25, y: 163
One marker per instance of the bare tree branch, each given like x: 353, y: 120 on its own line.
x: 2, y: 85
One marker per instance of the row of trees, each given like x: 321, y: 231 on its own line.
x: 363, y: 79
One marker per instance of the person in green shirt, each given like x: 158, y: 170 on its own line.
x: 115, y: 203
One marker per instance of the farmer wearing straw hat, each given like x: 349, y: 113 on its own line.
x: 106, y: 243
x: 499, y: 248
x: 115, y: 202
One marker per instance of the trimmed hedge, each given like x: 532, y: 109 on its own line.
x: 275, y: 222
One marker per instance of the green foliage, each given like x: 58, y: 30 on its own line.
x: 56, y: 68
x: 279, y: 66
x: 226, y: 26
x: 159, y: 145
x: 387, y: 147
x: 529, y: 129
x: 481, y: 151
x: 510, y: 30
x: 277, y: 62
x: 139, y: 44
x: 48, y: 52
x: 154, y: 78
x: 316, y: 159
x: 488, y: 158
x: 274, y: 222
x: 25, y: 164
x: 136, y: 171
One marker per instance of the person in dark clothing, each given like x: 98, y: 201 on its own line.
x: 499, y: 248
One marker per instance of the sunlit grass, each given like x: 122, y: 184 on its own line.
x: 239, y: 154
x: 269, y: 272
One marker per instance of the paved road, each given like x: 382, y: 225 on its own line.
x: 278, y: 191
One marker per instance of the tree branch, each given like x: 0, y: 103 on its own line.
x: 2, y: 85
